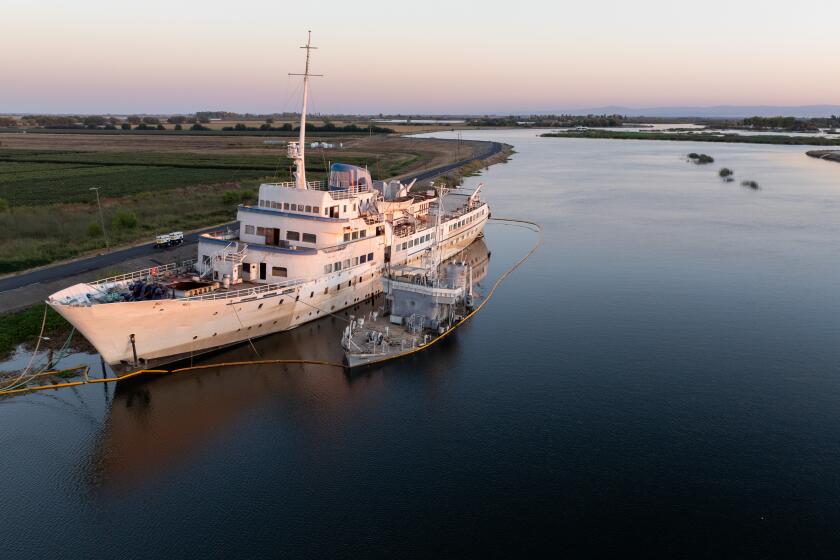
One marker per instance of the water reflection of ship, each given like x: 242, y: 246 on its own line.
x: 155, y: 424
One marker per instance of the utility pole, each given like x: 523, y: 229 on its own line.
x: 101, y: 216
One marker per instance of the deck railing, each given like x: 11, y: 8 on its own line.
x: 335, y: 194
x: 145, y: 273
x: 244, y: 292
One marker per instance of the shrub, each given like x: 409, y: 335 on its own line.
x: 235, y: 197
x: 750, y: 185
x: 231, y: 197
x: 725, y: 172
x: 124, y: 220
x: 94, y: 230
x: 179, y: 127
x: 4, y: 205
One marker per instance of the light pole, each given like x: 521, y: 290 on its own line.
x: 101, y: 216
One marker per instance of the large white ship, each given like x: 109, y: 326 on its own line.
x: 306, y: 249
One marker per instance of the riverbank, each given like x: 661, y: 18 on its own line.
x: 698, y: 137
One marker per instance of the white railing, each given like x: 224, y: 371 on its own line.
x: 244, y: 292
x: 409, y: 286
x: 144, y: 273
x: 314, y: 185
x: 335, y: 194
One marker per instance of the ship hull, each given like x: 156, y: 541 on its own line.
x: 184, y: 327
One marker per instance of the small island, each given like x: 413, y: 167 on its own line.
x: 700, y: 159
x: 831, y: 155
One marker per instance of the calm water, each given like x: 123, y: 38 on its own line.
x: 662, y: 376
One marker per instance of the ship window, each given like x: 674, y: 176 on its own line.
x: 355, y: 261
x: 275, y: 205
x: 309, y: 238
x: 345, y: 208
x: 279, y: 271
x: 315, y: 209
x: 346, y: 237
x: 249, y: 230
x: 337, y: 266
x: 327, y: 268
x: 404, y: 246
x: 363, y: 233
x: 355, y: 235
x: 294, y: 207
x: 363, y: 259
x: 309, y: 209
x: 260, y: 230
x: 370, y: 256
x: 346, y: 263
x: 293, y: 236
x: 205, y: 259
x: 285, y: 206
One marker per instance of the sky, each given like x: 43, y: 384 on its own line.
x: 427, y: 57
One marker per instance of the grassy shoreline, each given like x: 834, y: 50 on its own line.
x: 23, y: 327
x: 773, y: 139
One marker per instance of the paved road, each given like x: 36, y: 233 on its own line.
x: 59, y: 271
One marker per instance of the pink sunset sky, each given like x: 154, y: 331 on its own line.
x: 423, y: 57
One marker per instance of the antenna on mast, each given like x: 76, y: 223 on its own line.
x: 296, y: 149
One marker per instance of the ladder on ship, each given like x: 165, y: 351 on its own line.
x: 234, y: 252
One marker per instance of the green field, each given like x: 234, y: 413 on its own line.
x: 47, y: 177
x: 48, y: 212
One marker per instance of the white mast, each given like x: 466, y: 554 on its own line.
x: 296, y: 149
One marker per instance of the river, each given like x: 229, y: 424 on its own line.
x: 661, y: 375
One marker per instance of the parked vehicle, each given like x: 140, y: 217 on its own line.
x: 169, y: 239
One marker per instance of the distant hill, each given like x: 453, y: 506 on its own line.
x: 720, y: 111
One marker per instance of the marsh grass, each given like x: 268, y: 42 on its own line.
x: 24, y: 327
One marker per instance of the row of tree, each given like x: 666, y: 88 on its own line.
x: 326, y: 127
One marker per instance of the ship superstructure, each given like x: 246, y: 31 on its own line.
x: 304, y: 250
